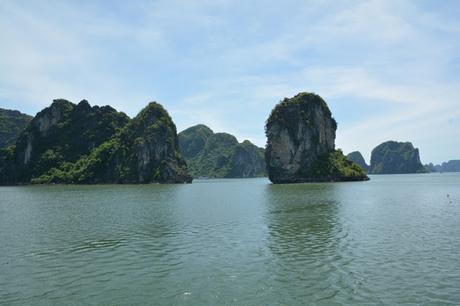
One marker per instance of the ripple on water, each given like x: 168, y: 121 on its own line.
x: 235, y: 242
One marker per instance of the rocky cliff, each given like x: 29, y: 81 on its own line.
x: 358, y: 159
x: 247, y: 161
x: 68, y: 143
x: 58, y: 134
x: 300, y: 143
x: 145, y: 150
x: 219, y: 155
x: 12, y: 123
x: 393, y: 157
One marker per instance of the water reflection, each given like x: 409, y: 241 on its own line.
x: 307, y: 239
x: 302, y: 219
x: 232, y: 242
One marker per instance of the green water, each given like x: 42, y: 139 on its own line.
x: 394, y: 239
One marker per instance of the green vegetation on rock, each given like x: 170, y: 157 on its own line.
x: 393, y: 157
x: 300, y: 143
x: 59, y: 134
x: 300, y: 108
x: 12, y: 123
x: 193, y: 140
x: 68, y: 143
x: 335, y: 166
x: 219, y: 155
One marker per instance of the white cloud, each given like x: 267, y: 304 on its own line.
x: 226, y: 63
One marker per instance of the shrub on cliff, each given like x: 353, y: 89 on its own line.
x: 300, y: 143
x: 68, y: 143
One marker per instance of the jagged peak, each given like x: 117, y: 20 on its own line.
x: 152, y: 109
x: 53, y: 113
x: 84, y: 103
x: 355, y: 153
x: 61, y: 103
x: 151, y: 116
x: 199, y: 127
x: 248, y: 143
x: 302, y: 102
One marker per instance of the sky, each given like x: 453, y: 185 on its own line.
x: 389, y: 70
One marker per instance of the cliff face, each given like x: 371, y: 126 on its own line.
x: 12, y: 123
x: 145, y: 150
x: 393, y: 157
x: 358, y: 159
x: 247, y: 161
x: 57, y: 135
x: 150, y: 150
x: 300, y: 143
x: 68, y: 143
x: 219, y: 155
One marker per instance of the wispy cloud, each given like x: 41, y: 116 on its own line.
x: 388, y: 69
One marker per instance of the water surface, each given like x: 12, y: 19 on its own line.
x: 394, y: 239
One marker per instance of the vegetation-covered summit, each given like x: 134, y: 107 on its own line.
x: 68, y: 143
x: 12, y: 123
x: 219, y: 155
x: 300, y: 108
x: 300, y: 143
x: 58, y: 134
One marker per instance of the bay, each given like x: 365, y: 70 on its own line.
x: 393, y: 239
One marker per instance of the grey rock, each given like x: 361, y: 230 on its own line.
x: 392, y: 157
x: 358, y: 158
x: 300, y: 143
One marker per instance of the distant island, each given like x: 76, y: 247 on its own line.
x: 301, y: 144
x: 450, y: 166
x: 69, y: 143
x: 358, y: 158
x: 392, y: 157
x: 219, y: 155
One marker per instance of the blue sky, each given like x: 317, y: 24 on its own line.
x: 388, y: 69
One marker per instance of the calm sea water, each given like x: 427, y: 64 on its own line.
x: 394, y: 239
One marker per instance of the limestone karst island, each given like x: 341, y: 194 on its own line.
x: 301, y: 144
x: 69, y: 143
x: 253, y: 153
x: 79, y: 144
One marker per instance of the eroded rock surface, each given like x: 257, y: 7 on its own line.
x: 12, y: 123
x: 68, y: 143
x: 300, y: 143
